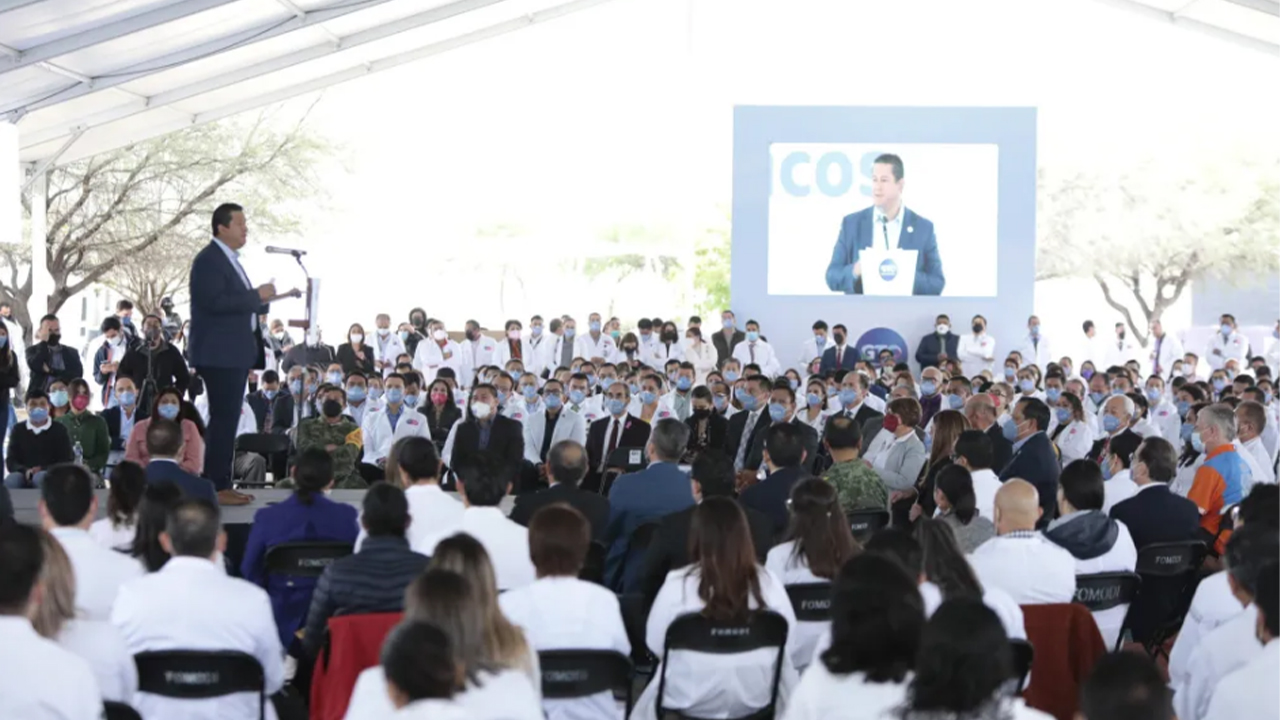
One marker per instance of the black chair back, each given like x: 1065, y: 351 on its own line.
x: 1171, y: 559
x: 580, y: 673
x: 306, y: 558
x: 811, y: 601
x: 864, y: 523
x: 265, y: 444
x: 201, y: 674
x: 694, y: 631
x: 593, y: 565
x: 1103, y: 591
x: 627, y: 459
x: 1170, y: 573
x: 1023, y: 656
x: 119, y: 711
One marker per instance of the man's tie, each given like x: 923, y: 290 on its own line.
x: 839, y: 357
x: 614, y: 438
x: 743, y: 444
x: 751, y: 348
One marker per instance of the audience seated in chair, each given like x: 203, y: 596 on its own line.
x: 418, y: 468
x: 165, y: 446
x: 784, y: 457
x: 1249, y: 692
x: 1020, y: 560
x: 116, y: 530
x: 1154, y: 514
x: 422, y: 675
x: 566, y: 466
x: 1126, y: 686
x: 168, y: 405
x: 35, y: 444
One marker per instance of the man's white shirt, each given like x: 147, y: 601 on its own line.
x: 1223, y: 651
x: 42, y: 681
x: 759, y: 352
x: 1250, y: 691
x: 506, y: 542
x: 1028, y: 567
x: 430, y: 510
x: 99, y: 572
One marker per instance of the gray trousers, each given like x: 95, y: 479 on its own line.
x: 250, y: 468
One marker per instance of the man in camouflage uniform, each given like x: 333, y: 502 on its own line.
x: 857, y: 486
x: 336, y: 434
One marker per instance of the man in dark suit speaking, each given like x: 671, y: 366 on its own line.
x: 225, y: 342
x: 887, y: 224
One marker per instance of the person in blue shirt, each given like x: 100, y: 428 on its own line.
x: 306, y: 516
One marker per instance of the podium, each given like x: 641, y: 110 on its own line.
x: 311, y: 310
x: 889, y: 273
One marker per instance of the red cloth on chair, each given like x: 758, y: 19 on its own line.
x: 354, y: 645
x: 1067, y: 644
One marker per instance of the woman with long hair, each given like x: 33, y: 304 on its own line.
x: 355, y: 354
x: 940, y: 441
x: 815, y: 410
x: 97, y: 642
x: 962, y: 664
x: 667, y: 348
x: 958, y: 508
x: 819, y: 542
x: 59, y: 399
x: 876, y: 620
x: 168, y: 405
x: 9, y: 379
x: 153, y: 512
x: 441, y: 410
x: 116, y: 530
x: 699, y: 352
x: 1072, y: 436
x: 488, y: 687
x: 723, y: 583
x: 950, y: 577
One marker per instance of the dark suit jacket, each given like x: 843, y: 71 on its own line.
x: 308, y: 356
x: 112, y: 416
x: 723, y: 349
x: 194, y: 487
x: 932, y: 344
x: 1001, y: 448
x: 865, y: 414
x: 506, y: 442
x: 769, y: 496
x: 669, y: 549
x: 657, y: 491
x: 857, y: 234
x: 1098, y: 451
x: 755, y: 457
x: 263, y: 408
x: 167, y: 367
x: 1156, y: 515
x: 449, y: 415
x: 717, y: 434
x: 41, y: 355
x: 1037, y: 463
x: 635, y: 433
x: 593, y: 505
x: 738, y: 425
x: 282, y: 413
x: 350, y: 363
x: 222, y: 309
x: 847, y: 361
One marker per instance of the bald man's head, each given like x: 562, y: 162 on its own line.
x: 980, y: 410
x: 1017, y: 507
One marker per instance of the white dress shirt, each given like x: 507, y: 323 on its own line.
x: 1119, y: 488
x: 976, y: 353
x: 430, y: 509
x: 185, y: 606
x: 1251, y: 461
x: 432, y: 710
x: 1028, y: 567
x: 1264, y: 471
x: 100, y: 644
x: 112, y: 536
x: 585, y: 346
x: 506, y: 542
x: 99, y: 572
x: 985, y: 486
x: 1223, y: 651
x: 707, y: 685
x: 763, y: 355
x: 999, y: 601
x: 1213, y: 605
x: 42, y: 681
x: 1250, y: 691
x: 791, y: 570
x: 507, y: 695
x: 565, y: 613
x: 824, y: 696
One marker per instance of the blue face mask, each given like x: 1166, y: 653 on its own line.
x: 747, y: 399
x: 1110, y: 423
x: 848, y: 398
x: 1197, y: 443
x: 1219, y: 384
x: 721, y: 402
x: 727, y: 323
x: 928, y: 442
x: 1035, y: 331
x: 752, y: 335
x: 1026, y: 385
x: 570, y: 332
x: 595, y: 326
x: 607, y: 382
x: 295, y: 387
x: 635, y: 389
x: 616, y: 406
x: 1153, y: 394
x: 955, y: 402
x: 168, y: 412
x: 576, y: 397
x: 1064, y: 415
x: 1010, y: 430
x: 1184, y: 432
x: 553, y: 401
x: 819, y: 340
x: 683, y: 383
x: 1097, y: 397
x: 4, y: 341
x: 1066, y: 370
x: 357, y: 393
x: 411, y: 399
x: 530, y: 393
x: 814, y: 399
x: 1226, y: 330
x: 128, y: 398
x: 1116, y: 391
x: 395, y: 395
x: 648, y: 398
x: 404, y: 335
x: 502, y: 397
x: 38, y: 415
x: 591, y: 380
x: 777, y: 412
x: 58, y: 398
x: 1106, y: 470
x: 1010, y: 373
x: 671, y: 378
x: 1053, y: 394
x: 832, y: 391
x: 375, y: 393
x: 268, y: 394
x: 928, y: 387
x: 730, y: 376
x: 1183, y: 406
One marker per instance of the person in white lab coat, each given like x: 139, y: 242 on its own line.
x: 1071, y: 432
x: 818, y: 544
x: 977, y: 351
x: 1249, y: 692
x: 530, y: 350
x: 1098, y: 543
x: 430, y: 508
x: 758, y: 351
x: 1251, y: 419
x: 1162, y: 412
x: 439, y: 351
x: 1227, y: 344
x: 876, y: 619
x: 1166, y: 351
x: 1019, y: 560
x: 723, y: 569
x: 594, y: 345
x: 1271, y: 351
x: 478, y: 350
x: 68, y: 506
x: 812, y: 347
x: 1120, y: 349
x: 97, y: 642
x: 387, y: 346
x: 1233, y: 644
x: 185, y: 605
x: 1035, y: 348
x: 1271, y: 411
x: 701, y: 353
x: 40, y: 679
x: 564, y: 425
x: 420, y: 672
x: 395, y: 420
x: 667, y: 348
x: 560, y: 612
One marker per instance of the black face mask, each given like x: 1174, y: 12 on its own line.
x: 331, y: 408
x: 1120, y: 336
x: 701, y: 413
x: 977, y: 327
x: 668, y: 337
x: 839, y: 338
x: 418, y: 322
x: 54, y: 338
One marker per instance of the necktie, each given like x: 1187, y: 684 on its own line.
x: 839, y: 357
x: 747, y: 429
x: 751, y: 348
x: 614, y: 438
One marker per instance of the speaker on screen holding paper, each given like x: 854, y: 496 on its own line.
x: 880, y: 246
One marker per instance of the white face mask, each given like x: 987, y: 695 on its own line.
x: 439, y: 335
x: 481, y: 410
x: 943, y: 328
x: 383, y: 332
x: 357, y: 337
x: 116, y: 341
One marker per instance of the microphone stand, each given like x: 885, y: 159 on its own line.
x: 302, y: 397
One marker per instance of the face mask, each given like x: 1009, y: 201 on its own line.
x: 1107, y: 474
x: 513, y: 334
x: 684, y: 383
x: 1226, y: 329
x: 727, y: 323
x: 570, y: 332
x: 1052, y: 394
x: 977, y: 328
x: 54, y: 338
x: 943, y: 328
x: 311, y: 388
x: 1026, y: 385
x: 383, y: 332
x: 58, y: 398
x: 375, y: 393
x: 928, y: 387
x: 1110, y: 423
x: 438, y: 335
x: 577, y: 396
x: 701, y: 413
x: 38, y: 415
x: 635, y: 389
x: 814, y: 399
x: 268, y: 394
x: 481, y: 410
x: 411, y: 399
x: 439, y: 398
x: 80, y: 402
x: 1219, y: 384
x: 955, y: 402
x: 832, y: 391
x: 1197, y: 443
x: 848, y: 398
x: 595, y: 327
x: 536, y: 330
x: 648, y: 398
x: 168, y: 412
x: 553, y: 401
x: 928, y: 442
x: 752, y: 336
x: 777, y: 412
x: 747, y: 399
x: 1066, y: 370
x: 295, y: 387
x: 839, y: 337
x: 334, y: 378
x: 616, y: 406
x: 607, y: 382
x: 404, y: 335
x: 1097, y: 397
x: 819, y: 340
x: 720, y: 401
x: 128, y: 398
x: 891, y: 423
x: 1010, y: 373
x: 1184, y: 432
x: 730, y: 376
x: 1035, y: 331
x: 795, y: 384
x: 357, y: 337
x: 530, y: 393
x: 1064, y: 415
x: 1010, y: 430
x: 1183, y: 406
x: 1086, y: 373
x: 357, y: 393
x: 1153, y: 394
x: 395, y: 395
x: 591, y: 380
x: 331, y: 408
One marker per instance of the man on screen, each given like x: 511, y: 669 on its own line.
x: 887, y: 224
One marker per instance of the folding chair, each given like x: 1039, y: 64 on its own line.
x: 1170, y: 570
x: 864, y: 523
x: 593, y: 566
x: 811, y: 601
x: 119, y: 711
x: 696, y: 632
x: 570, y: 674
x: 1023, y: 655
x: 201, y: 674
x: 1103, y: 591
x: 304, y: 559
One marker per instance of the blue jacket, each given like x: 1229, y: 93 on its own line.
x: 847, y: 362
x: 193, y: 486
x: 657, y: 491
x: 857, y: 233
x: 1037, y: 463
x: 221, y: 311
x: 292, y: 521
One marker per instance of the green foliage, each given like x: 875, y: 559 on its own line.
x: 711, y: 273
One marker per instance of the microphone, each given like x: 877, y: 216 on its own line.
x: 884, y: 224
x: 284, y: 251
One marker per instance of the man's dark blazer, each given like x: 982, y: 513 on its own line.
x: 723, y: 349
x: 1037, y: 463
x: 262, y: 408
x: 635, y: 433
x: 669, y: 549
x: 222, y: 309
x: 593, y: 505
x: 112, y: 416
x: 637, y: 498
x: 847, y: 361
x: 308, y: 356
x: 40, y: 355
x: 193, y: 486
x: 1156, y: 515
x: 755, y: 456
x: 933, y: 344
x: 1097, y: 452
x: 506, y: 444
x: 769, y: 496
x: 738, y: 425
x: 282, y: 413
x: 857, y: 234
x: 1001, y: 448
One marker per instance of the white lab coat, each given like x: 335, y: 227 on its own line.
x: 1165, y: 418
x: 534, y: 355
x: 1223, y: 651
x: 1213, y: 605
x: 591, y: 408
x: 379, y: 436
x: 824, y: 696
x: 706, y: 685
x: 565, y: 613
x: 1171, y: 351
x: 793, y: 570
x: 587, y: 347
x: 976, y: 353
x: 386, y: 350
x: 808, y: 351
x: 432, y: 710
x: 659, y: 353
x: 1234, y: 345
x: 703, y: 357
x: 1036, y: 354
x: 569, y: 426
x: 765, y: 357
x: 185, y: 605
x: 1094, y: 350
x: 99, y: 572
x: 41, y: 680
x: 1122, y: 557
x: 112, y: 536
x: 1249, y: 691
x: 1074, y: 442
x: 430, y: 509
x: 100, y: 644
x: 985, y: 486
x: 475, y: 355
x: 1271, y: 354
x: 663, y: 410
x: 1262, y: 460
x: 1119, y: 352
x: 506, y: 695
x: 506, y: 542
x: 1255, y: 473
x: 1119, y: 488
x: 1031, y: 570
x: 430, y: 357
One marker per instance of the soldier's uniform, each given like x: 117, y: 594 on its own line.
x: 345, y: 435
